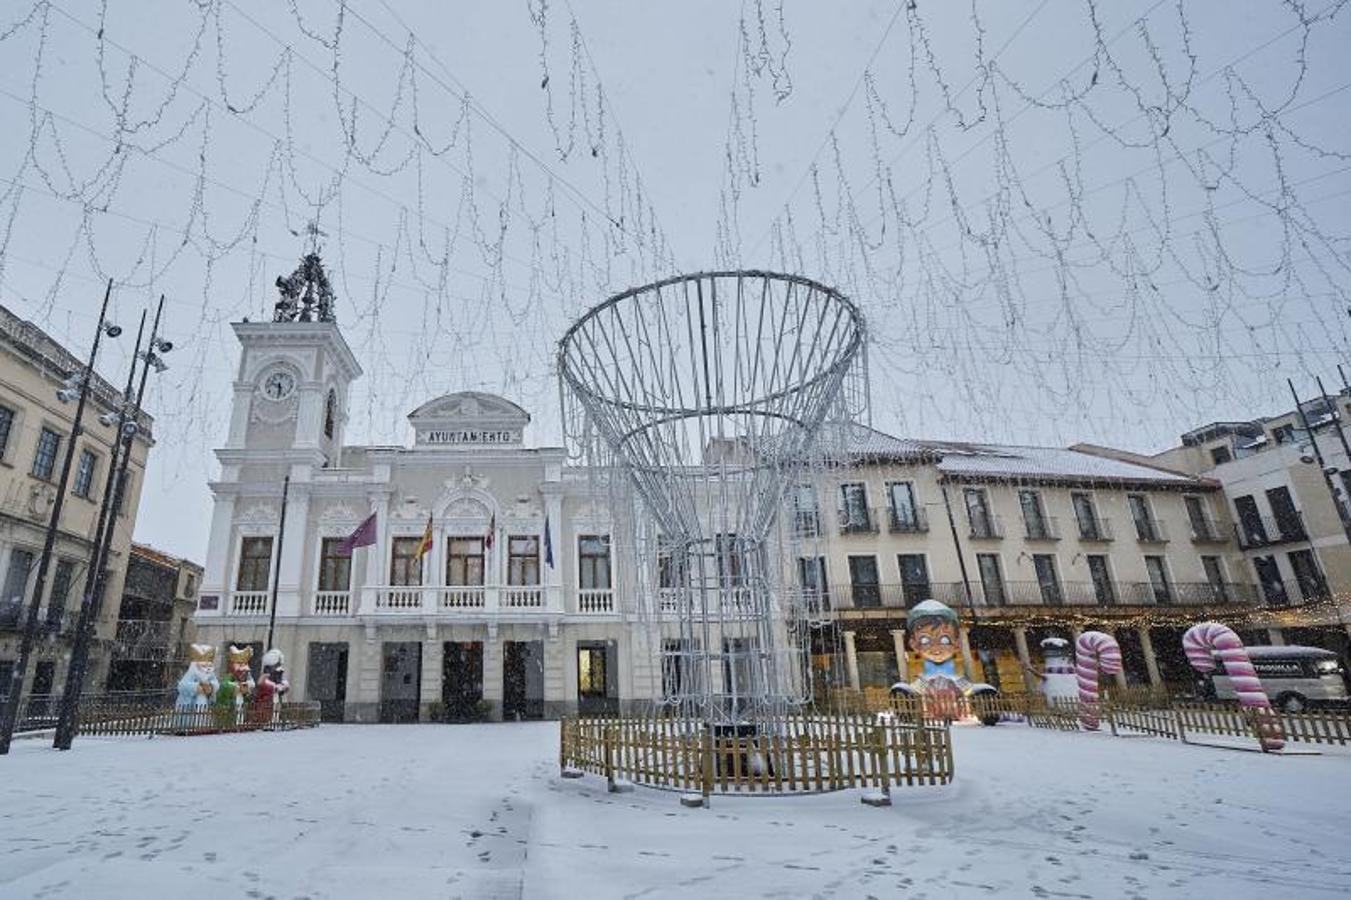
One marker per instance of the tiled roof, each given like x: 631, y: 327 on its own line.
x: 1011, y: 461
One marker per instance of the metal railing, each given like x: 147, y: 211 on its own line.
x: 1034, y: 593
x: 985, y: 526
x: 1094, y: 528
x: 142, y: 639
x: 858, y: 521
x: 1206, y: 531
x: 914, y: 521
x: 1045, y: 528
x: 1150, y: 531
x: 806, y: 522
x: 1254, y: 532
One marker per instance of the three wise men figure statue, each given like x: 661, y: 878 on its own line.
x: 197, y: 688
x: 235, y: 688
x: 272, y: 686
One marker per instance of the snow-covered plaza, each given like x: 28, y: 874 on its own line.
x: 480, y: 811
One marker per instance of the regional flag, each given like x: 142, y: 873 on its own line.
x: 364, y: 536
x: 426, y: 543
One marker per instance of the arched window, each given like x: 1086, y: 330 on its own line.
x: 330, y: 410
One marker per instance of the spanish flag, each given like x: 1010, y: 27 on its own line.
x: 426, y: 543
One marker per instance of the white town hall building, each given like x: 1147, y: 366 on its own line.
x: 511, y: 614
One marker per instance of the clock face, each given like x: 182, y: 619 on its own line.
x: 279, y: 385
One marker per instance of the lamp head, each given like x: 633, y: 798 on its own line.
x: 112, y: 330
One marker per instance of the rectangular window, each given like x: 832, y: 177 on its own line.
x: 125, y: 480
x: 593, y: 558
x: 1220, y: 455
x: 1219, y: 588
x: 806, y: 513
x: 1158, y: 579
x: 1048, y: 581
x: 1288, y: 520
x: 811, y: 575
x: 1284, y: 434
x: 1269, y: 577
x: 1086, y: 514
x: 6, y: 676
x: 863, y: 581
x: 914, y: 578
x: 991, y: 578
x: 335, y: 568
x: 405, y: 566
x: 1103, y: 589
x: 978, y: 513
x: 1034, y: 515
x: 904, y: 510
x: 523, y: 560
x: 676, y: 654
x: 1307, y: 574
x: 61, y: 583
x: 84, y: 474
x: 466, y: 561
x: 1145, y: 528
x: 16, y: 585
x: 854, y: 509
x: 255, y: 563
x: 666, y: 564
x: 591, y: 672
x: 1251, y: 528
x: 44, y: 459
x: 1202, y: 528
x: 6, y: 425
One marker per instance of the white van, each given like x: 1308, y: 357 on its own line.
x: 1294, y: 677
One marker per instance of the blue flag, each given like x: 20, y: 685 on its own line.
x: 548, y: 544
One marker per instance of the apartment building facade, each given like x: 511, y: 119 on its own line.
x: 1025, y: 543
x: 154, y: 623
x: 35, y: 429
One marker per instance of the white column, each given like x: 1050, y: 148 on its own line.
x: 216, y: 572
x: 1151, y: 662
x: 851, y: 659
x: 902, y: 660
x: 291, y: 554
x: 1025, y: 657
x: 377, y: 554
x: 1276, y: 636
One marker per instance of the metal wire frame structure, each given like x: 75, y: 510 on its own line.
x: 708, y: 396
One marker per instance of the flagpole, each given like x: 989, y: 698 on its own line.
x: 276, y: 574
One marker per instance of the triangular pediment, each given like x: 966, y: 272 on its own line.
x: 468, y: 418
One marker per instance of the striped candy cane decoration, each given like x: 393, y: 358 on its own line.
x: 1095, y: 653
x: 1202, y: 642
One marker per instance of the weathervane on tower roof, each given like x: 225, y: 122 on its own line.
x: 306, y: 295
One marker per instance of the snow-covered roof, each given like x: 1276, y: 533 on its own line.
x: 969, y: 460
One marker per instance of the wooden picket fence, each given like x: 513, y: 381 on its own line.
x: 810, y: 753
x: 1135, y: 710
x: 154, y: 719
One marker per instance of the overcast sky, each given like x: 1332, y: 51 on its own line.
x: 1099, y: 305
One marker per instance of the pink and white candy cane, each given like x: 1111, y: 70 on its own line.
x: 1095, y: 653
x: 1203, y: 642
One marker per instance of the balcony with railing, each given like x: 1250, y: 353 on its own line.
x: 907, y: 521
x: 595, y: 601
x: 985, y: 526
x: 1043, y: 528
x: 249, y: 603
x: 1036, y: 593
x: 1094, y: 529
x: 806, y: 522
x: 331, y: 603
x: 142, y: 639
x: 1206, y: 531
x: 1255, y: 532
x: 859, y: 520
x: 1150, y: 531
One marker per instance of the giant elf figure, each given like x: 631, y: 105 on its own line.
x: 934, y: 634
x: 235, y: 688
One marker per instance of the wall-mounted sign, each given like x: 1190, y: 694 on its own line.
x: 208, y: 602
x: 455, y: 436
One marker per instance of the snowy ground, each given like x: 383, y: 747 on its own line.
x: 479, y: 811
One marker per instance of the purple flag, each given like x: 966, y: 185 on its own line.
x: 364, y: 536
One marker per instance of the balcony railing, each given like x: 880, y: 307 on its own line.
x: 142, y: 639
x: 523, y: 597
x: 1034, y: 593
x: 1095, y: 528
x: 596, y: 602
x: 858, y: 521
x: 806, y: 522
x: 1206, y: 531
x: 985, y: 526
x: 1046, y: 528
x: 454, y: 597
x: 249, y: 603
x: 1254, y: 532
x: 14, y: 614
x: 1150, y: 531
x: 332, y: 603
x: 1292, y: 593
x: 914, y: 521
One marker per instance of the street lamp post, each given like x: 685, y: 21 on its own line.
x: 113, y: 498
x: 75, y: 386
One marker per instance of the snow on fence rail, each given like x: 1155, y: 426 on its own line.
x: 1133, y: 711
x: 152, y: 719
x: 810, y: 754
